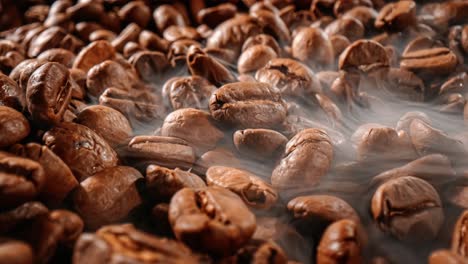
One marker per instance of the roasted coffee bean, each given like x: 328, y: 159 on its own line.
x: 160, y: 218
x: 62, y: 56
x: 261, y: 144
x: 192, y: 125
x: 254, y: 58
x: 367, y: 15
x: 151, y: 41
x: 258, y: 251
x: 232, y: 33
x: 459, y: 239
x: 217, y: 157
x: 138, y: 106
x: 14, y: 127
x: 85, y: 11
x: 313, y: 47
x: 178, y: 51
x: 428, y: 140
x: 48, y: 93
x: 306, y: 159
x: 107, y: 122
x: 102, y: 34
x: 162, y: 183
x: 429, y: 62
x: 174, y: 33
x: 405, y: 85
x: 321, y: 209
x: 436, y: 169
x: 165, y: 16
x: 188, y: 92
x: 273, y: 24
x: 201, y: 64
x: 363, y: 54
x: 10, y: 93
x: 21, y: 73
x: 84, y: 151
x: 136, y: 12
x: 446, y: 257
x: 149, y: 64
x: 213, y: 16
x: 396, y: 16
x: 95, y: 53
x: 262, y: 39
x: 408, y: 208
x: 253, y: 190
x: 12, y: 219
x: 47, y: 39
x: 107, y: 196
x: 405, y: 121
x: 346, y: 26
x: 59, y: 180
x: 203, y: 215
x: 124, y: 243
x: 102, y: 76
x: 15, y: 252
x: 342, y: 242
x: 291, y: 77
x: 21, y: 179
x: 129, y: 33
x: 248, y: 105
x: 169, y: 152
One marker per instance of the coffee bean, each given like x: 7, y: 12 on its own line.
x: 136, y: 12
x: 459, y: 240
x: 262, y: 39
x: 259, y: 251
x: 102, y: 76
x: 198, y: 216
x: 367, y: 15
x: 445, y: 256
x: 14, y: 127
x: 254, y: 58
x: 107, y: 196
x: 363, y: 54
x: 14, y: 251
x: 261, y: 144
x: 93, y: 54
x: 165, y: 16
x: 102, y: 34
x: 188, y: 92
x: 346, y: 26
x: 342, y: 242
x: 313, y: 47
x: 84, y: 151
x: 174, y: 33
x: 254, y: 191
x: 405, y: 85
x: 272, y: 23
x: 10, y: 93
x: 129, y: 33
x: 48, y: 93
x: 216, y: 157
x: 427, y: 62
x: 149, y: 64
x: 291, y: 77
x: 248, y: 105
x: 151, y: 41
x: 213, y: 16
x: 306, y: 159
x: 408, y: 208
x: 396, y: 16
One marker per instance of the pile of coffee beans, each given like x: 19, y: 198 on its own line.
x: 240, y: 131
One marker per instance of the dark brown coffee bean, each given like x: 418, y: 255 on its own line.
x: 365, y: 14
x: 272, y: 23
x: 86, y: 11
x: 140, y: 107
x: 188, y: 92
x: 457, y: 83
x: 177, y: 54
x: 251, y: 189
x: 408, y: 208
x: 17, y: 217
x: 164, y: 151
x: 72, y: 225
x: 48, y: 93
x: 306, y: 159
x: 93, y: 54
x: 444, y: 256
x: 436, y: 169
x: 429, y: 62
x: 363, y: 54
x: 201, y: 64
x: 47, y: 39
x: 21, y: 73
x: 165, y: 16
x: 116, y: 243
x: 151, y: 41
x: 149, y: 65
x: 346, y: 26
x: 261, y: 144
x: 405, y: 121
x: 203, y: 215
x: 313, y: 47
x: 11, y: 94
x: 20, y: 179
x: 103, y: 76
x: 136, y: 12
x: 405, y: 85
x: 213, y: 16
x: 232, y: 33
x: 129, y: 33
x: 396, y: 16
x: 62, y: 56
x: 131, y: 48
x: 107, y: 122
x: 254, y: 58
x: 84, y: 151
x: 59, y: 180
x: 15, y: 252
x: 216, y: 157
x: 248, y: 105
x: 342, y: 242
x: 259, y: 251
x: 162, y: 183
x: 291, y: 77
x: 192, y: 125
x: 14, y: 127
x: 428, y: 140
x: 102, y: 34
x: 84, y: 29
x: 174, y: 33
x: 262, y: 39
x: 107, y: 196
